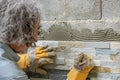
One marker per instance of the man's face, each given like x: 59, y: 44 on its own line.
x: 36, y: 34
x: 36, y: 30
x: 21, y: 49
x: 24, y: 47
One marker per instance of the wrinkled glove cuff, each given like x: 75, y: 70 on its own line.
x: 32, y: 54
x: 79, y: 68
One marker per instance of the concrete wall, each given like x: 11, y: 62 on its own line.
x: 83, y: 20
x: 96, y: 20
x: 106, y: 57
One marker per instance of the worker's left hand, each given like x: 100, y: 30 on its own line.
x: 44, y: 52
x: 36, y: 58
x: 44, y: 56
x: 38, y: 67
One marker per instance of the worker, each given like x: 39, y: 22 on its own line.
x: 19, y: 23
x: 83, y: 64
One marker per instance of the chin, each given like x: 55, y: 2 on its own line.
x: 25, y: 51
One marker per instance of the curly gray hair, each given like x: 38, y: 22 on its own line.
x: 17, y: 20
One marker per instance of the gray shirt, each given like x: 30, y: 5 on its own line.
x: 9, y: 70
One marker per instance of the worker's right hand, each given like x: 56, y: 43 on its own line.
x: 81, y: 61
x: 83, y: 64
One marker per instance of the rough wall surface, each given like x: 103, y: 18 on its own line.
x: 82, y: 31
x: 82, y: 20
x: 96, y: 20
x: 106, y: 57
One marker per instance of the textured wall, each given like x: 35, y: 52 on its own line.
x: 82, y: 20
x: 83, y: 30
x: 96, y: 20
x: 106, y: 56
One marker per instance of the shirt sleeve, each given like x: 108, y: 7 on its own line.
x: 9, y: 70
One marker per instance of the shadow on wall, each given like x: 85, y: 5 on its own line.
x: 63, y: 31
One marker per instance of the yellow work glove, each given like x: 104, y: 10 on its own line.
x: 44, y: 56
x: 38, y: 67
x: 82, y: 66
x: 24, y: 61
x: 44, y: 52
x: 36, y: 53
